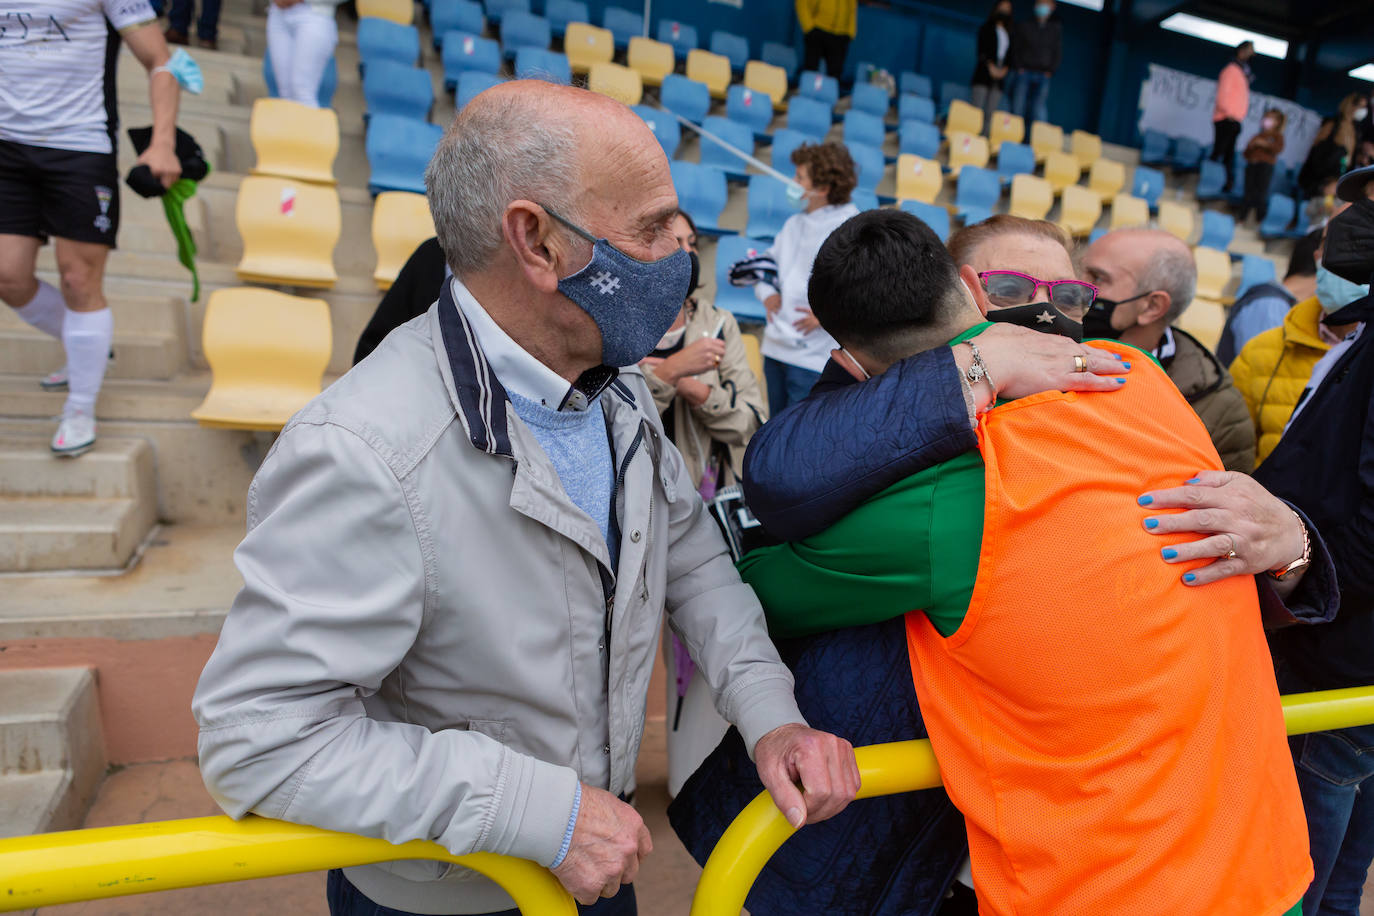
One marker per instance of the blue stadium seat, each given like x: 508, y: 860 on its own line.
x: 1217, y: 230
x: 470, y: 84
x: 664, y: 126
x: 623, y: 24
x: 1154, y: 147
x: 869, y: 98
x: 1014, y: 159
x: 784, y: 56
x: 784, y: 141
x: 497, y: 9
x: 910, y: 83
x: 464, y: 52
x: 863, y: 71
x: 933, y: 215
x: 395, y: 89
x: 977, y: 194
x: 769, y: 206
x: 915, y: 108
x: 815, y: 85
x: 1282, y: 180
x: 870, y: 164
x: 1237, y: 192
x: 737, y: 300
x: 701, y: 192
x: 456, y: 15
x: 688, y: 98
x: 1281, y: 212
x: 864, y: 199
x: 1210, y: 180
x: 382, y: 39
x: 919, y: 138
x: 328, y: 84
x: 950, y: 91
x: 862, y: 127
x: 524, y: 30
x: 680, y: 35
x: 1302, y: 226
x: 809, y: 116
x: 750, y: 108
x: 1096, y: 234
x: 1148, y: 184
x: 731, y: 46
x: 539, y: 64
x: 718, y: 157
x: 398, y: 150
x: 1186, y: 155
x: 561, y: 12
x: 1255, y: 270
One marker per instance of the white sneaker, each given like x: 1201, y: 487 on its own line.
x: 57, y: 381
x: 75, y: 436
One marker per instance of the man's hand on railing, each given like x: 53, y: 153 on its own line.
x: 820, y: 763
x: 608, y: 843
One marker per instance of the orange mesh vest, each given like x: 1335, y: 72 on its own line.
x: 1113, y: 738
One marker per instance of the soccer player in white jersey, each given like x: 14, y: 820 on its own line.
x: 59, y: 178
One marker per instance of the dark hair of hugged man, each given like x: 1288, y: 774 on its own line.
x: 884, y: 282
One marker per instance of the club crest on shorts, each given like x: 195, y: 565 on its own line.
x: 103, y: 196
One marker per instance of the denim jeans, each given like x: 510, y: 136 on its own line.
x: 787, y: 384
x: 1336, y: 778
x: 1030, y: 96
x: 347, y: 900
x: 207, y: 26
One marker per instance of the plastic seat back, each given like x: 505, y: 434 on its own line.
x: 393, y: 88
x: 967, y: 149
x: 1015, y: 159
x: 769, y: 206
x: 1086, y: 147
x: 738, y: 300
x: 1006, y: 127
x: 1210, y: 180
x: 456, y: 16
x: 769, y: 79
x: 734, y: 48
x: 1205, y: 319
x: 752, y: 109
x: 664, y: 126
x: 701, y: 191
x: 711, y: 69
x: 784, y: 142
x: 292, y: 140
x: 328, y: 84
x: 524, y: 30
x: 1176, y: 218
x: 1129, y: 213
x: 1107, y: 177
x: 585, y: 44
x: 918, y: 179
x: 1154, y: 147
x: 1079, y: 210
x: 1186, y: 156
x: 976, y: 194
x: 680, y: 35
x: 819, y: 86
x: 398, y: 11
x: 1213, y: 272
x: 809, y: 116
x: 753, y: 355
x: 623, y: 24
x: 716, y: 156
x: 685, y: 97
x: 1061, y: 170
x: 919, y: 138
x: 561, y: 12
x: 382, y: 39
x: 784, y: 57
x: 536, y: 64
x: 618, y: 82
x: 1147, y: 184
x: 1031, y: 197
x: 915, y: 108
x: 398, y: 151
x: 911, y: 83
x: 963, y: 118
x: 864, y: 199
x: 869, y: 162
x: 949, y: 91
x: 289, y: 230
x: 1046, y: 138
x: 267, y: 353
x: 862, y: 127
x: 1217, y: 230
x: 937, y: 218
x: 1281, y: 209
x: 652, y: 60
x: 464, y: 53
x: 1254, y: 270
x: 400, y: 222
x: 497, y: 9
x: 869, y: 98
x: 472, y: 84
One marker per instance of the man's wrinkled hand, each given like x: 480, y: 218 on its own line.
x: 608, y: 843
x: 812, y: 775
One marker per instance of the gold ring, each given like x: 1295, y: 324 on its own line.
x: 1080, y: 363
x: 1231, y: 554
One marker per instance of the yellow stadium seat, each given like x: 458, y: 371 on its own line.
x: 400, y: 222
x: 620, y: 83
x: 1046, y: 138
x: 1061, y: 170
x: 918, y: 179
x: 1176, y: 219
x: 768, y: 79
x: 289, y: 230
x: 753, y: 354
x: 966, y: 149
x: 1129, y: 213
x: 292, y: 140
x: 1107, y: 177
x: 963, y: 118
x: 267, y: 352
x: 1086, y: 147
x: 1080, y: 209
x: 652, y: 60
x: 1213, y: 273
x: 399, y: 11
x: 1031, y: 197
x: 1204, y: 319
x: 1005, y: 128
x: 586, y: 44
x: 711, y: 69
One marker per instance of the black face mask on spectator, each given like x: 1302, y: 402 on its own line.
x: 1039, y: 316
x: 1349, y: 248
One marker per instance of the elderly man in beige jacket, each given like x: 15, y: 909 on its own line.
x: 458, y: 555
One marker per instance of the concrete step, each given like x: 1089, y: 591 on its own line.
x: 134, y: 311
x: 145, y: 355
x: 31, y: 802
x: 120, y: 399
x: 44, y: 535
x: 115, y: 469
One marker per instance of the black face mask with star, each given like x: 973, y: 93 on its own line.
x: 1039, y: 316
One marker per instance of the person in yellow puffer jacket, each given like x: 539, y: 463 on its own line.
x: 828, y: 26
x: 1272, y: 370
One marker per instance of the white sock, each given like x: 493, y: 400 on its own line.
x: 46, y: 310
x: 87, y: 337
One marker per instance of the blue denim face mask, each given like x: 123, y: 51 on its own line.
x: 1336, y: 292
x: 633, y: 302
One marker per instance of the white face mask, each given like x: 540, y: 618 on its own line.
x: 1360, y: 114
x: 671, y: 339
x: 1269, y: 123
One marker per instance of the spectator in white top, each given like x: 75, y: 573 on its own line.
x: 301, y: 37
x: 795, y: 349
x: 59, y: 178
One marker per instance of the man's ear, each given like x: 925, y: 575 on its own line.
x: 975, y: 289
x: 1155, y: 307
x: 537, y: 248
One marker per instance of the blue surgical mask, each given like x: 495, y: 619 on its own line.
x: 1336, y: 292
x: 186, y: 70
x: 798, y: 196
x: 633, y: 302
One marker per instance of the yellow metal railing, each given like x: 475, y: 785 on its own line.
x: 52, y: 868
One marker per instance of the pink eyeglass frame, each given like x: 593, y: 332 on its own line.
x: 1048, y: 284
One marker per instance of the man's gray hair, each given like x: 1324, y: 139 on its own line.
x: 496, y: 151
x: 1171, y: 269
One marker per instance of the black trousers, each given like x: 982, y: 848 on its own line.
x: 1257, y: 178
x: 1224, y: 147
x: 822, y: 45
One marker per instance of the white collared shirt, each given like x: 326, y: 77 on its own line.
x: 514, y: 366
